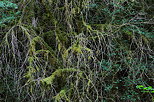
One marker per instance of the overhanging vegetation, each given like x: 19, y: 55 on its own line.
x: 76, y: 50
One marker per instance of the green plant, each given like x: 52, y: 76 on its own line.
x: 58, y: 73
x: 76, y: 50
x: 8, y: 12
x: 148, y: 89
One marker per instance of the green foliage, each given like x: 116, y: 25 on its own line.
x: 76, y: 50
x: 8, y: 5
x: 7, y: 13
x: 148, y: 89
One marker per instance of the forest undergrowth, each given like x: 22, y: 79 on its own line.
x: 77, y: 51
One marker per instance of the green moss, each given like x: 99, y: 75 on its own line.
x: 58, y: 73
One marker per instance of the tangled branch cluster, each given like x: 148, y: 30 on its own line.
x: 77, y: 51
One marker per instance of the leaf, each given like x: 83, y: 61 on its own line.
x: 7, y: 4
x: 139, y: 86
x: 92, y: 5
